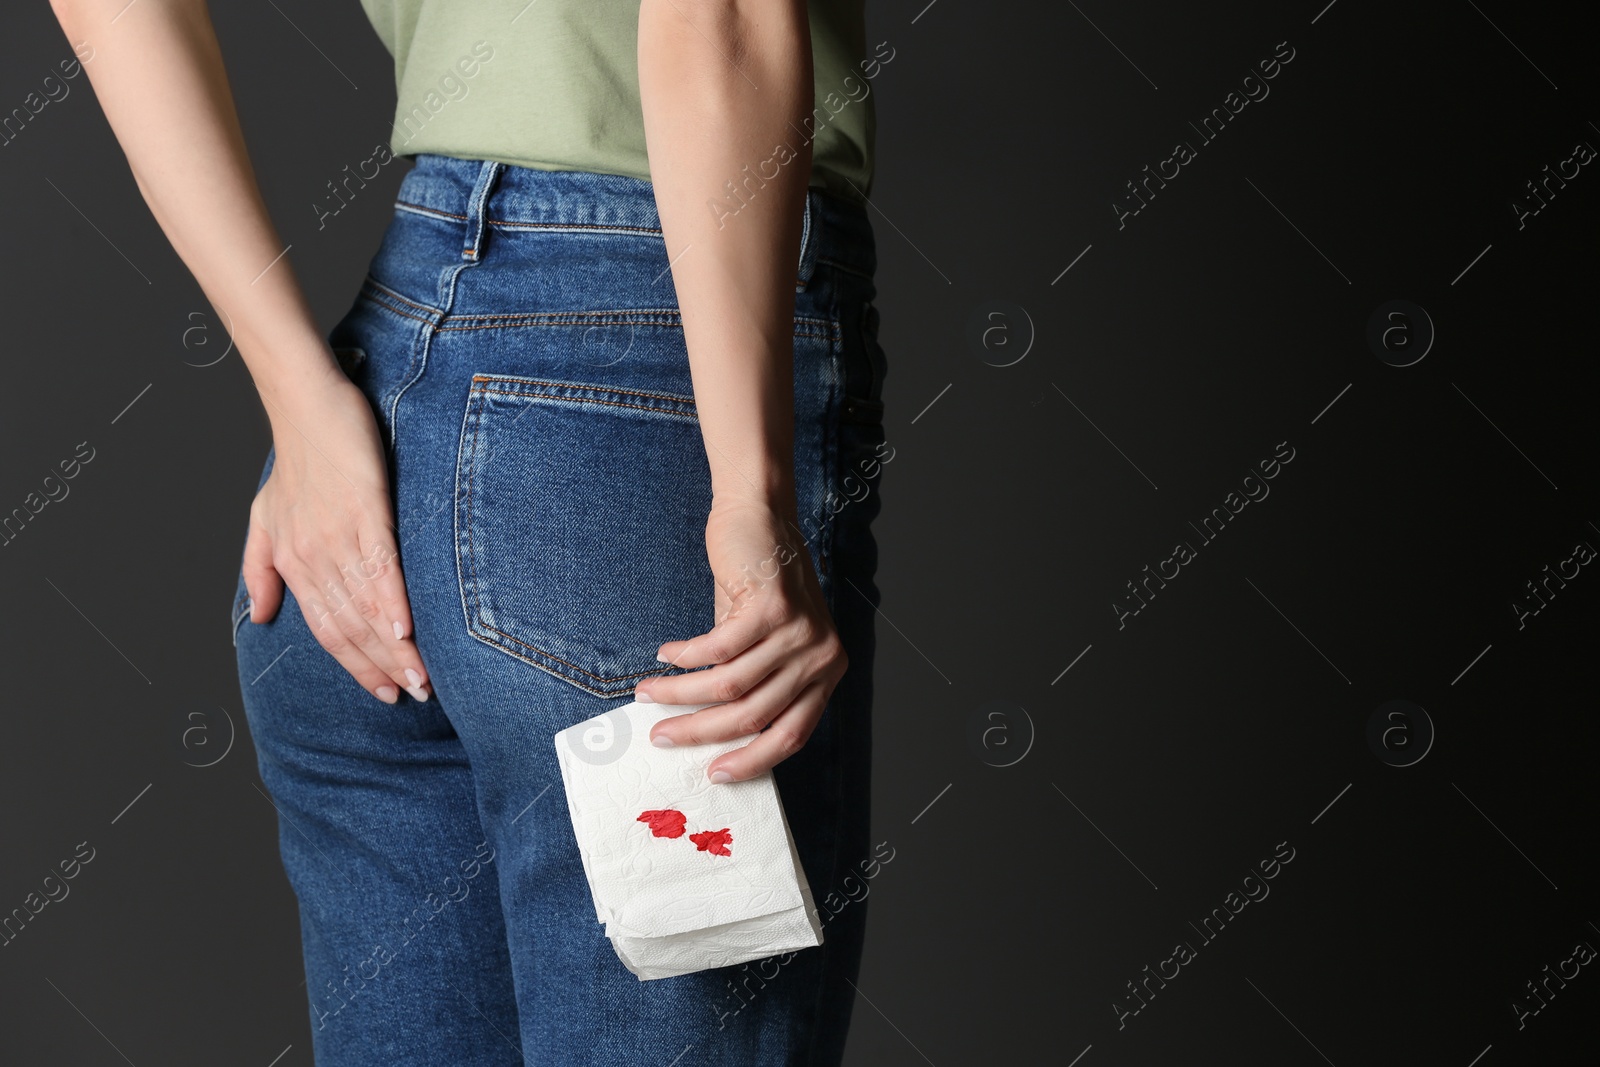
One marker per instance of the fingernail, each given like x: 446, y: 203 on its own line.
x: 642, y: 698
x: 413, y: 677
x: 418, y: 693
x: 719, y: 777
x: 662, y: 659
x: 661, y: 741
x: 398, y: 632
x: 387, y: 693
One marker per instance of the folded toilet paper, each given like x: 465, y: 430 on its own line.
x: 685, y: 875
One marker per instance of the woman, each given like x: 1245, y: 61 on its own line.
x: 600, y: 415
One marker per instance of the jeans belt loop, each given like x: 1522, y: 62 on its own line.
x: 477, y: 209
x: 809, y: 225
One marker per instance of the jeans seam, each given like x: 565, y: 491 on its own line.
x: 422, y: 344
x: 591, y: 318
x: 421, y: 209
x: 487, y: 379
x: 383, y: 290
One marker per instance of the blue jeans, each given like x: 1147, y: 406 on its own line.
x: 519, y: 338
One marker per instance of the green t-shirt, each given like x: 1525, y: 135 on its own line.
x: 554, y: 85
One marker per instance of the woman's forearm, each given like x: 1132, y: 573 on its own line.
x: 724, y: 84
x: 157, y: 71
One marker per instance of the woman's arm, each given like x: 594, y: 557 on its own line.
x: 323, y: 522
x: 723, y: 83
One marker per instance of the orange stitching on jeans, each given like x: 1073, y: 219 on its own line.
x: 381, y: 297
x: 425, y: 207
x: 574, y: 666
x: 656, y: 312
x: 527, y: 223
x: 612, y: 322
x: 589, y: 400
x: 530, y: 319
x: 386, y: 291
x: 536, y: 319
x: 628, y: 315
x: 394, y: 310
x: 569, y: 385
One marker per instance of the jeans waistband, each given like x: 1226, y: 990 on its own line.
x: 487, y: 193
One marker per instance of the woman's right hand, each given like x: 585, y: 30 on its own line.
x: 323, y: 525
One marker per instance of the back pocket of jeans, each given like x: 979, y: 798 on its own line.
x: 580, y: 526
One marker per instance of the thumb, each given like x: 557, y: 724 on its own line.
x: 261, y: 578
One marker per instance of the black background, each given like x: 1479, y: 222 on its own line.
x: 1179, y: 750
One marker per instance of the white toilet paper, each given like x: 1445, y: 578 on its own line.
x: 685, y: 875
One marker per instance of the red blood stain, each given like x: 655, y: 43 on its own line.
x: 664, y: 823
x: 715, y: 842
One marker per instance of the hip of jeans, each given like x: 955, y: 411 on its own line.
x: 571, y: 267
x: 520, y: 340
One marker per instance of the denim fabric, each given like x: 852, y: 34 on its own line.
x: 519, y: 339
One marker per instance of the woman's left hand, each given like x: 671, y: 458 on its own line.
x: 774, y: 656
